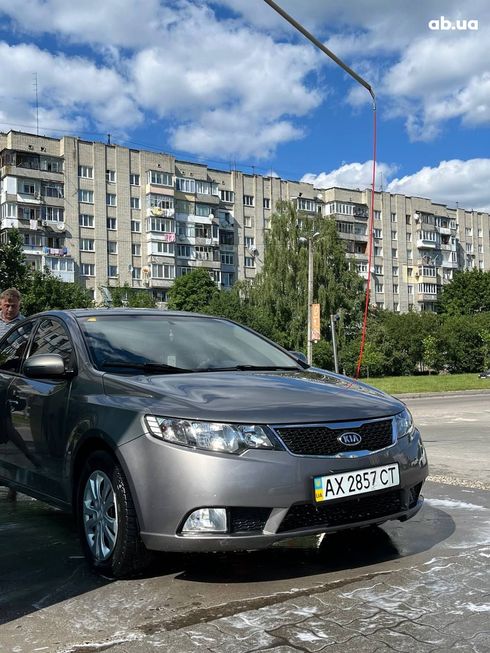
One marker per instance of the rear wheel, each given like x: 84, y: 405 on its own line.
x: 107, y: 520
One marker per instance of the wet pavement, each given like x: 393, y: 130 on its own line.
x: 418, y: 586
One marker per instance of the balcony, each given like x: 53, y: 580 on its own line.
x: 426, y: 244
x: 161, y: 236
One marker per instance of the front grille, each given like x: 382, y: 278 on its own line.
x: 349, y: 511
x: 322, y: 440
x: 246, y: 520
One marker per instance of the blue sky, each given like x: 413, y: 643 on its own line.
x: 230, y: 83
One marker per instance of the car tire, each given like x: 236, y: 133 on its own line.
x: 107, y: 521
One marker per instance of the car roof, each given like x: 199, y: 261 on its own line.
x: 93, y: 312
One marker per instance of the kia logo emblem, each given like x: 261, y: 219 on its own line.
x: 350, y: 439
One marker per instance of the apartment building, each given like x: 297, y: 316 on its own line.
x: 102, y: 215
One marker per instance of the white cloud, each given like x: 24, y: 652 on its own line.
x: 351, y: 175
x: 464, y: 182
x: 233, y: 134
x: 68, y: 87
x: 181, y: 64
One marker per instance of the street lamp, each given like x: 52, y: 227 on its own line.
x: 310, y: 240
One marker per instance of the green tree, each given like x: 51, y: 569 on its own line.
x: 131, y: 297
x: 432, y: 353
x: 466, y: 294
x: 14, y: 271
x: 192, y: 292
x: 47, y: 291
x: 277, y: 299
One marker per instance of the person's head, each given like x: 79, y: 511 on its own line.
x: 9, y: 304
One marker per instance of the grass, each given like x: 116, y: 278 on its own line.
x: 433, y: 383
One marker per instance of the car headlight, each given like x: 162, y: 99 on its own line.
x: 403, y: 424
x: 211, y: 436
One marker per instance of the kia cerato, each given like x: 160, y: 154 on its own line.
x: 168, y: 431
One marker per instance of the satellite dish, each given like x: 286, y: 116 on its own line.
x: 60, y: 226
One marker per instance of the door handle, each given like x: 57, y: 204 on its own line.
x: 14, y: 404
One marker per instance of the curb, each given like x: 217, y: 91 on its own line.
x: 449, y: 394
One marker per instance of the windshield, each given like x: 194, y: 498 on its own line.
x: 188, y: 343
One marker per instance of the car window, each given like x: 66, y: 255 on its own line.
x: 181, y: 341
x: 51, y: 337
x: 13, y: 347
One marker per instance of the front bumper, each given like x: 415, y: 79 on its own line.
x: 268, y: 495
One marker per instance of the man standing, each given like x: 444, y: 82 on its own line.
x: 9, y: 309
x: 9, y: 315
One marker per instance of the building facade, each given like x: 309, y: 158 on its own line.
x: 105, y: 215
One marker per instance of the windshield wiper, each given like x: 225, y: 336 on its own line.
x: 252, y: 368
x: 145, y: 367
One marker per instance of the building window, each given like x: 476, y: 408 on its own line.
x: 86, y: 220
x: 394, y: 235
x: 162, y: 248
x: 160, y: 271
x: 249, y: 242
x: 377, y: 215
x: 111, y: 223
x: 408, y: 219
x: 185, y: 185
x: 428, y: 288
x: 134, y: 179
x: 227, y: 196
x: 112, y: 247
x: 468, y: 231
x: 110, y: 199
x: 395, y: 270
x: 409, y: 237
x: 409, y: 254
x: 87, y: 172
x: 378, y: 251
x: 378, y: 269
x: 378, y: 233
x: 227, y: 258
x: 378, y: 287
x: 136, y: 249
x: 112, y: 271
x: 410, y: 289
x: 110, y: 176
x: 136, y: 226
x: 158, y: 178
x: 135, y: 202
x: 396, y: 307
x: 248, y: 200
x: 393, y: 217
x: 136, y: 273
x: 87, y: 269
x: 206, y: 187
x: 394, y: 252
x: 87, y: 245
x: 395, y: 289
x: 249, y: 262
x: 267, y: 203
x: 247, y: 221
x: 227, y: 279
x: 184, y: 251
x: 86, y: 196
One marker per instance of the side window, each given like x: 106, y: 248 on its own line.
x: 51, y: 337
x: 13, y: 347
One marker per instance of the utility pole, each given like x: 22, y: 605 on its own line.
x: 333, y: 319
x: 309, y: 342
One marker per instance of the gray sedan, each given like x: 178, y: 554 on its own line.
x: 167, y: 431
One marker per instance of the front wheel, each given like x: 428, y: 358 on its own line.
x: 107, y: 520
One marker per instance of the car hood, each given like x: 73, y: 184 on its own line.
x: 257, y: 397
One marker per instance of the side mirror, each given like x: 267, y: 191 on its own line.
x: 299, y: 355
x: 45, y: 366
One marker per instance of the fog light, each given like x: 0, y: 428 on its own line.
x: 206, y: 520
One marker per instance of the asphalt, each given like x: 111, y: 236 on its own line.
x: 414, y: 587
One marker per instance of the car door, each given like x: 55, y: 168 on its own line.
x: 38, y: 409
x: 16, y: 447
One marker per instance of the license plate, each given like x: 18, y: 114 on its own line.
x: 337, y: 486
